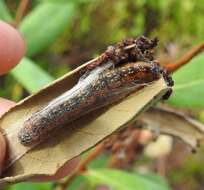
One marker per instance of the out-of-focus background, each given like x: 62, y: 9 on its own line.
x: 61, y: 35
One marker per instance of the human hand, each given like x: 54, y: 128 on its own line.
x: 12, y: 49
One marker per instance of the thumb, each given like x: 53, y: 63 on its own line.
x: 2, y: 152
x: 12, y: 47
x: 5, y: 105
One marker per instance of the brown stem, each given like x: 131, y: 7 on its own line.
x: 185, y: 58
x: 161, y: 166
x: 62, y: 185
x: 20, y: 12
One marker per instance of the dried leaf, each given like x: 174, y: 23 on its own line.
x: 67, y: 143
x: 169, y: 121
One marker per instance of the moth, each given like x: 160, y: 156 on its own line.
x: 105, y: 83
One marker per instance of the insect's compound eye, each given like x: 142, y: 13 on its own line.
x: 155, y: 69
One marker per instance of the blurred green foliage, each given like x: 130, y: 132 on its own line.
x: 61, y: 35
x: 31, y: 186
x: 4, y: 13
x: 190, y: 173
x: 189, y: 81
x: 120, y: 180
x: 38, y: 34
x: 32, y: 77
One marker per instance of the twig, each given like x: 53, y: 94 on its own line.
x: 161, y: 166
x: 20, y: 11
x: 185, y: 58
x: 62, y: 185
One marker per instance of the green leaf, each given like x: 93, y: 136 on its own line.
x: 53, y: 1
x: 121, y: 180
x: 76, y: 183
x: 4, y: 13
x: 201, y: 116
x: 31, y: 186
x: 189, y: 85
x: 44, y: 24
x: 99, y: 162
x: 31, y: 76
